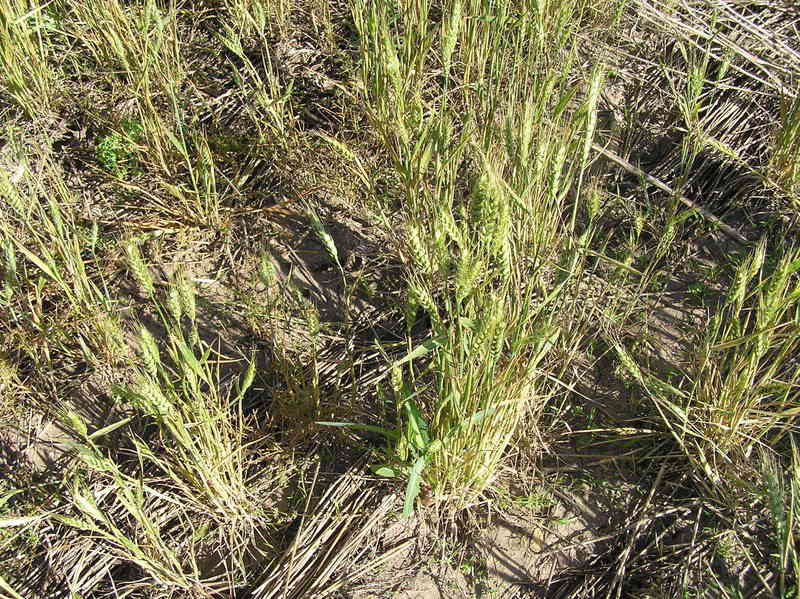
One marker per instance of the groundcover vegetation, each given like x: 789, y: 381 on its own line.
x: 399, y: 298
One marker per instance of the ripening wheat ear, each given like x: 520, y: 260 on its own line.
x: 467, y: 275
x: 186, y: 296
x: 174, y: 304
x: 148, y: 347
x: 450, y: 31
x: 324, y: 237
x: 139, y: 269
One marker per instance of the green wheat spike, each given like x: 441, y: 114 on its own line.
x: 139, y: 269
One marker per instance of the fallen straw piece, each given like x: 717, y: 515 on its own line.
x: 725, y: 228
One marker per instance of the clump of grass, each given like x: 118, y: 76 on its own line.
x: 203, y: 426
x: 191, y: 188
x: 485, y: 382
x: 786, y: 154
x: 140, y: 41
x: 782, y: 497
x: 42, y: 228
x: 26, y: 71
x: 777, y: 490
x: 200, y: 459
x: 126, y: 516
x: 740, y: 387
x: 271, y: 111
x: 485, y: 159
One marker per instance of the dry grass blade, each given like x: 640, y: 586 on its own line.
x: 725, y: 228
x: 616, y: 584
x: 331, y: 539
x: 766, y: 42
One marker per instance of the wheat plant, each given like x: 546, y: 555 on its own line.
x: 740, y: 388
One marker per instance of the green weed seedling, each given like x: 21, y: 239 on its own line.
x: 698, y: 292
x: 538, y: 499
x: 116, y: 151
